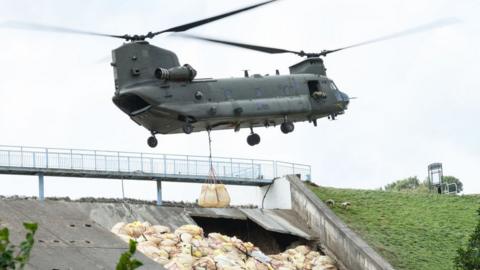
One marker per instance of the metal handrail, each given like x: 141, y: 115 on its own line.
x: 116, y: 161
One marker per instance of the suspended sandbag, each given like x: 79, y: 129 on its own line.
x: 214, y: 196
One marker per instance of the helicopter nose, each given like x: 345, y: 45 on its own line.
x: 345, y: 99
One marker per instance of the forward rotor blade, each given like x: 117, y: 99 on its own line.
x: 191, y: 25
x: 422, y: 28
x: 49, y: 28
x: 243, y: 45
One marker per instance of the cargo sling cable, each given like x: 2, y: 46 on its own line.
x: 211, y: 174
x: 214, y: 193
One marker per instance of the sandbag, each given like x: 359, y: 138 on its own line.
x: 153, y: 238
x: 186, y: 238
x: 168, y: 242
x: 185, y: 261
x: 135, y: 229
x: 214, y: 196
x: 193, y: 230
x: 302, y: 249
x: 157, y: 229
x: 161, y: 260
x: 205, y: 263
x: 323, y: 261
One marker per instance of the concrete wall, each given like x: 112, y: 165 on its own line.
x: 335, y: 237
x: 277, y: 196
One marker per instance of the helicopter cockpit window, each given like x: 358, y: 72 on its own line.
x: 333, y: 86
x: 315, y: 90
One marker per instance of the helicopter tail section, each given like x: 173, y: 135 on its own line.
x: 137, y: 61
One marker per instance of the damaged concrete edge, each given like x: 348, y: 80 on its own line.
x: 339, y: 240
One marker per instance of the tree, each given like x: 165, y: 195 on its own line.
x: 409, y: 183
x: 452, y: 179
x: 12, y: 257
x: 469, y: 258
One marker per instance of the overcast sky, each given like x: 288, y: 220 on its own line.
x: 417, y: 100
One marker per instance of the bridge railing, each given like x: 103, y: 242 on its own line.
x: 158, y: 164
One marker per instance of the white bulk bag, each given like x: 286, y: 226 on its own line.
x: 214, y: 195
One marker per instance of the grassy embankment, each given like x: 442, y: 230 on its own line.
x: 410, y: 230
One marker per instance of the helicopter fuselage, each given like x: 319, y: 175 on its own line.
x: 164, y: 106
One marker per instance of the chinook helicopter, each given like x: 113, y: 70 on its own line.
x: 158, y: 93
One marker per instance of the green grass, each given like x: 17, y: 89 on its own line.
x: 410, y: 230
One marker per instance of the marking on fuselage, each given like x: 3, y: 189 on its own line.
x: 262, y: 106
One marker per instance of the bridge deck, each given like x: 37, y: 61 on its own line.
x: 131, y: 176
x: 142, y: 166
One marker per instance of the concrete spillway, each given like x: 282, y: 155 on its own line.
x: 75, y: 235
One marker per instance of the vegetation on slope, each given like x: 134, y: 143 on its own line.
x: 469, y: 257
x: 410, y: 230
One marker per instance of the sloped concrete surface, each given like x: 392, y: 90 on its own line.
x: 76, y: 235
x: 66, y: 238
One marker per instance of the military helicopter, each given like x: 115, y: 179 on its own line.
x: 158, y: 93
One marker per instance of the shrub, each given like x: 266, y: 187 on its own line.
x: 8, y: 259
x: 126, y: 262
x: 469, y: 258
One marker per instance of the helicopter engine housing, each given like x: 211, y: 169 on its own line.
x: 311, y: 65
x: 183, y: 73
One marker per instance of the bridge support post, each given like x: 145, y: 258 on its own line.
x: 41, y: 194
x: 159, y: 192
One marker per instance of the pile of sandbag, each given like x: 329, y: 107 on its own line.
x: 302, y: 257
x: 214, y: 196
x: 187, y: 248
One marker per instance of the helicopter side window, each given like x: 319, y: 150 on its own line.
x: 227, y: 93
x: 313, y: 87
x: 315, y: 91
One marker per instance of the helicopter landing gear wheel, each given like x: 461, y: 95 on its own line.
x: 287, y: 127
x: 152, y: 141
x: 253, y: 139
x: 187, y: 128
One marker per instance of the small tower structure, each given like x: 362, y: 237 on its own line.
x: 435, y: 177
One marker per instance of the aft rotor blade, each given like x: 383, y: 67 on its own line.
x: 191, y: 25
x: 50, y: 28
x: 243, y: 45
x: 422, y: 28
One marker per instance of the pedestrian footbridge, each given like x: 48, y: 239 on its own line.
x: 83, y: 163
